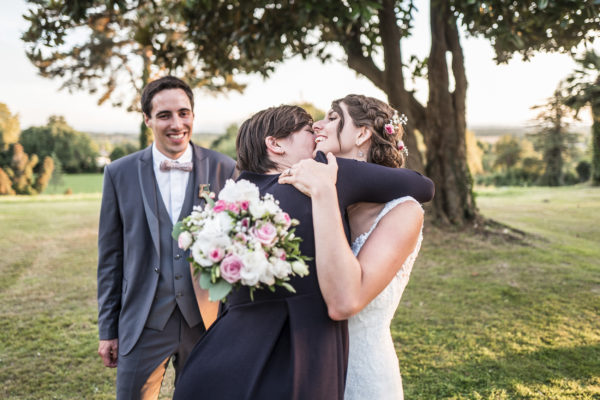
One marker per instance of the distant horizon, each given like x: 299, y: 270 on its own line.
x: 579, y: 126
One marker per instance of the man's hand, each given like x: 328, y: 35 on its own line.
x: 108, y: 351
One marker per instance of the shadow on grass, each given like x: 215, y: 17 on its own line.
x: 486, y: 377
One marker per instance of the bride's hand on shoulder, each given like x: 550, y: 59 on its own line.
x: 311, y: 177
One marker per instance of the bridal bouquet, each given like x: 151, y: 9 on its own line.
x: 241, y: 240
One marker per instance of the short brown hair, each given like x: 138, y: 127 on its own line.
x: 164, y: 83
x: 278, y: 122
x: 373, y: 114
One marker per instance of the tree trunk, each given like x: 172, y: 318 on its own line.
x: 553, y: 153
x: 596, y: 144
x: 398, y: 97
x: 146, y: 136
x: 446, y: 127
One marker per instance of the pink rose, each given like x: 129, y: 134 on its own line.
x: 284, y: 219
x: 230, y: 268
x: 220, y: 205
x: 266, y: 234
x: 216, y: 254
x: 233, y: 207
x: 389, y: 129
x: 244, y: 205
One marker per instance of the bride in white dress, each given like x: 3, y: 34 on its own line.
x: 363, y: 284
x: 373, y: 370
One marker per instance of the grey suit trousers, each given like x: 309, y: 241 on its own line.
x: 150, y: 356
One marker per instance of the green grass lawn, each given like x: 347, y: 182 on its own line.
x: 78, y: 183
x: 482, y: 318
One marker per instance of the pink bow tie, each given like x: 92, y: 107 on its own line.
x: 167, y: 165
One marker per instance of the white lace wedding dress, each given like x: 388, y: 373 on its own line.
x: 373, y: 371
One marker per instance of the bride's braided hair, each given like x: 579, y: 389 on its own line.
x: 373, y: 114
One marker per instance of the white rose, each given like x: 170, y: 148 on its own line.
x: 267, y: 276
x: 211, y: 227
x: 239, y: 191
x: 226, y: 223
x: 198, y: 254
x: 184, y: 240
x: 280, y: 268
x: 254, y: 267
x: 258, y: 209
x: 300, y: 268
x: 271, y: 207
x: 206, y: 242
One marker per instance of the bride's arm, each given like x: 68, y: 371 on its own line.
x: 348, y: 284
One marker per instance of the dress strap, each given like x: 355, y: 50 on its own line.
x: 360, y: 240
x: 389, y: 206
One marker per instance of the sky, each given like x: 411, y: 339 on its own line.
x: 498, y: 95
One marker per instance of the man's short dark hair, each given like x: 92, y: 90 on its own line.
x: 167, y: 82
x: 278, y: 122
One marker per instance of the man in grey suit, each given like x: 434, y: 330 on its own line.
x: 149, y: 310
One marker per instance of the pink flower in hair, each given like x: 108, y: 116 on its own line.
x: 389, y: 129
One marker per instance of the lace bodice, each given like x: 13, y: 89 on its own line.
x: 373, y: 371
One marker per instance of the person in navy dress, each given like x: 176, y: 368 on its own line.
x: 285, y: 345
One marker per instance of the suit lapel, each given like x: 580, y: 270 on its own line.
x: 188, y: 200
x: 148, y: 189
x: 201, y: 173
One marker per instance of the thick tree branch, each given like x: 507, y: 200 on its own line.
x: 418, y: 112
x: 364, y: 65
x: 458, y: 70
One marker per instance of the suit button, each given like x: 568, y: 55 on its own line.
x: 177, y: 256
x: 156, y: 269
x: 178, y: 276
x: 179, y: 294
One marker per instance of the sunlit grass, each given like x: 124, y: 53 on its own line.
x: 492, y: 319
x: 482, y: 318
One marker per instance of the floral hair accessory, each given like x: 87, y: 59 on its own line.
x: 391, y: 128
x: 402, y: 148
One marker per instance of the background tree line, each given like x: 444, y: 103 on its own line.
x: 29, y: 159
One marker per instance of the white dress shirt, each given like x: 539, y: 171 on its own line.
x: 172, y: 184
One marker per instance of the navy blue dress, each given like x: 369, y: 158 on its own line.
x: 284, y: 345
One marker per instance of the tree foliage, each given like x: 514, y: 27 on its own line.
x: 75, y: 150
x: 527, y: 27
x: 553, y: 139
x: 508, y: 152
x: 5, y: 183
x: 113, y: 48
x: 474, y: 154
x: 17, y: 176
x: 226, y: 143
x: 9, y: 127
x: 121, y: 150
x: 257, y: 35
x: 583, y: 89
x: 316, y: 113
x: 232, y: 36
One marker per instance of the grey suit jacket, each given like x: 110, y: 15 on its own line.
x: 128, y: 239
